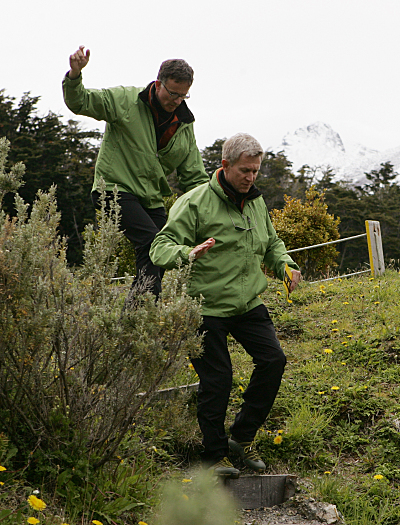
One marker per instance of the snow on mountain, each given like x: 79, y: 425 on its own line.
x: 318, y: 145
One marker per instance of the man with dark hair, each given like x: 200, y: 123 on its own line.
x: 225, y: 229
x: 149, y: 134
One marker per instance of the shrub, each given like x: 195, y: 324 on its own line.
x: 306, y: 224
x: 73, y: 360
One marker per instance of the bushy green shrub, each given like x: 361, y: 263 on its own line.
x: 306, y: 224
x: 77, y: 368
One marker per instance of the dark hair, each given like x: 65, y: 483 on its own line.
x: 177, y: 69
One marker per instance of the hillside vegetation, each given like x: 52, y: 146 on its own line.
x: 336, y: 420
x: 85, y: 438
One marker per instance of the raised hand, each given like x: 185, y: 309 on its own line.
x: 78, y: 61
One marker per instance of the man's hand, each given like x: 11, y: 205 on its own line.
x: 78, y: 61
x: 296, y: 278
x: 201, y: 249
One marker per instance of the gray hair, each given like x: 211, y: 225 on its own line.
x: 238, y: 144
x: 177, y: 69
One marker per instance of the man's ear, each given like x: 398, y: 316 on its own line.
x: 225, y: 164
x: 158, y: 85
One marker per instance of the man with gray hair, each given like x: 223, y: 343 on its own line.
x: 149, y: 134
x: 224, y: 227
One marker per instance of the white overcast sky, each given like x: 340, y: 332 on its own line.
x: 264, y: 67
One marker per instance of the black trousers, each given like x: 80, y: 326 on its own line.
x: 140, y: 226
x: 254, y: 330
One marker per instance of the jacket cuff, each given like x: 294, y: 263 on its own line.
x: 75, y: 80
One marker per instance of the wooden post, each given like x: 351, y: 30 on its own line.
x: 375, y: 249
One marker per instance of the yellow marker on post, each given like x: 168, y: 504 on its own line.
x: 287, y: 281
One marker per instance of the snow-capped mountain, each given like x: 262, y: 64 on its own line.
x: 318, y: 145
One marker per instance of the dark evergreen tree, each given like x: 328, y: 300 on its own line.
x: 212, y: 156
x: 275, y: 179
x: 53, y: 153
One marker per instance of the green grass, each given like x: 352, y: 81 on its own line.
x: 338, y: 406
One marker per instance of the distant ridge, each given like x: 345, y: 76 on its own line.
x: 319, y: 145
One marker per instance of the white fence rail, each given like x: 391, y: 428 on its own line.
x: 375, y: 250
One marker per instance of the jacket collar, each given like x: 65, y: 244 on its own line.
x: 182, y: 111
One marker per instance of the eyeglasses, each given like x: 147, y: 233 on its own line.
x: 241, y: 228
x: 175, y: 96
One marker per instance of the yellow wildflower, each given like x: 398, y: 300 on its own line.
x: 343, y: 363
x: 349, y: 336
x: 371, y: 279
x: 345, y: 342
x: 376, y: 302
x: 327, y: 472
x: 340, y: 280
x: 97, y: 522
x: 1, y: 482
x: 241, y: 388
x: 278, y: 292
x: 328, y: 350
x: 142, y: 523
x: 277, y: 440
x: 335, y: 388
x: 378, y: 476
x: 2, y: 468
x: 186, y: 480
x: 321, y: 392
x: 33, y: 521
x: 36, y: 503
x: 280, y: 432
x: 334, y: 321
x: 346, y: 302
x: 335, y: 330
x: 191, y: 366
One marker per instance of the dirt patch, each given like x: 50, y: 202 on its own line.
x: 296, y: 511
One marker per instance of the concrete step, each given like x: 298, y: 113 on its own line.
x: 255, y: 491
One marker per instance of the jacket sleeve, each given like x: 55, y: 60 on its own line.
x: 178, y: 237
x: 191, y: 172
x: 100, y: 104
x: 275, y: 256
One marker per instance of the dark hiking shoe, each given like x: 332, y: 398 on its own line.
x: 225, y: 469
x: 247, y: 451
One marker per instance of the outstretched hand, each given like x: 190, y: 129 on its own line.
x: 78, y: 61
x: 202, y: 248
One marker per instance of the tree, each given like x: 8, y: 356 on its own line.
x: 53, y: 153
x: 275, y: 178
x: 306, y: 224
x: 212, y: 156
x: 381, y: 178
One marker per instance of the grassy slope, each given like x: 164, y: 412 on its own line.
x: 338, y: 409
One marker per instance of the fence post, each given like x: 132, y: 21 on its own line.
x: 375, y: 249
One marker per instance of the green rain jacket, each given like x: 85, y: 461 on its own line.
x: 229, y: 275
x: 128, y: 155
